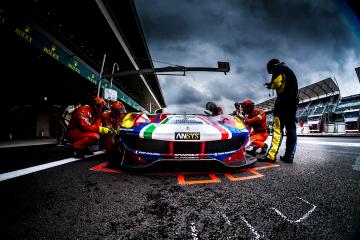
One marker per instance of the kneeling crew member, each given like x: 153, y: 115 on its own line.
x: 85, y: 127
x: 112, y: 120
x: 255, y: 119
x: 212, y: 109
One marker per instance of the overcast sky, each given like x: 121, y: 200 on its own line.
x: 317, y: 39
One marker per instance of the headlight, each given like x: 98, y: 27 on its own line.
x: 134, y: 119
x: 238, y: 123
x: 128, y: 121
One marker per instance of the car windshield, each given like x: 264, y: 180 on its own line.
x: 351, y: 114
x: 312, y: 119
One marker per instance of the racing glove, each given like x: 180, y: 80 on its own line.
x: 104, y: 130
x: 114, y: 131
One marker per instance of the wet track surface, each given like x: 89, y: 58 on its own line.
x: 316, y: 197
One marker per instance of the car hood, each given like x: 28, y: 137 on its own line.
x: 193, y: 128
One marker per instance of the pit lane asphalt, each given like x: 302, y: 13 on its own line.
x: 316, y: 197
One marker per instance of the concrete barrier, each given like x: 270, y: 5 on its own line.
x: 339, y: 127
x: 329, y: 128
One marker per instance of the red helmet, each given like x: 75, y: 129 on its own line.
x: 118, y: 107
x: 99, y: 104
x: 99, y: 101
x: 247, y: 106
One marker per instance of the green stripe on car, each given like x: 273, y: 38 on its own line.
x: 151, y: 128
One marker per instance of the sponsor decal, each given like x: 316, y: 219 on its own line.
x: 187, y: 135
x: 91, y: 78
x: 147, y: 153
x: 185, y: 121
x: 24, y: 34
x: 223, y: 153
x: 126, y: 129
x: 74, y: 67
x: 51, y: 52
x: 186, y: 156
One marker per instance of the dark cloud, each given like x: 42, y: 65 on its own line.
x: 312, y: 37
x: 179, y: 92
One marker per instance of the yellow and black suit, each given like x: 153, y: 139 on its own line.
x: 285, y: 83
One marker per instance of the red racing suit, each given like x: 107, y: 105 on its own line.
x: 83, y: 128
x: 257, y: 122
x: 111, y: 121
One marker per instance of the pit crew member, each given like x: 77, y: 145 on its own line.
x: 255, y: 119
x: 212, y: 109
x: 285, y: 83
x: 112, y: 119
x: 85, y: 126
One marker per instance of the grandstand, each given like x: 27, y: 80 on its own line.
x: 348, y: 103
x: 322, y: 109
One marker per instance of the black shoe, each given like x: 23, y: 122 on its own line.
x: 252, y: 152
x: 284, y: 159
x: 265, y: 159
x: 264, y: 149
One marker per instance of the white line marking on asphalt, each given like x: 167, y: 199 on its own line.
x: 342, y: 144
x: 25, y: 171
x: 331, y: 151
x: 300, y: 219
x: 356, y: 167
x: 194, y: 231
x: 257, y: 235
x: 226, y: 219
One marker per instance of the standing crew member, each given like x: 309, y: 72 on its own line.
x: 85, y: 127
x: 238, y: 111
x: 112, y: 120
x: 212, y: 109
x: 255, y: 119
x: 285, y: 83
x: 301, y: 123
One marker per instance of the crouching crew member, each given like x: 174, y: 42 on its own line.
x: 212, y: 109
x: 285, y: 83
x: 255, y: 119
x: 238, y: 111
x: 112, y: 119
x: 85, y: 126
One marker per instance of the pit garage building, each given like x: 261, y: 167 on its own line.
x: 52, y: 54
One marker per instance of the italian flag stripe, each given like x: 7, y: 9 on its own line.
x: 151, y: 128
x: 224, y: 132
x: 149, y: 131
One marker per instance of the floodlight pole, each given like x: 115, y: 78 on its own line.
x: 117, y: 68
x: 100, y: 76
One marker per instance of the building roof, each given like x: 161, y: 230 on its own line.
x: 88, y: 35
x: 324, y: 88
